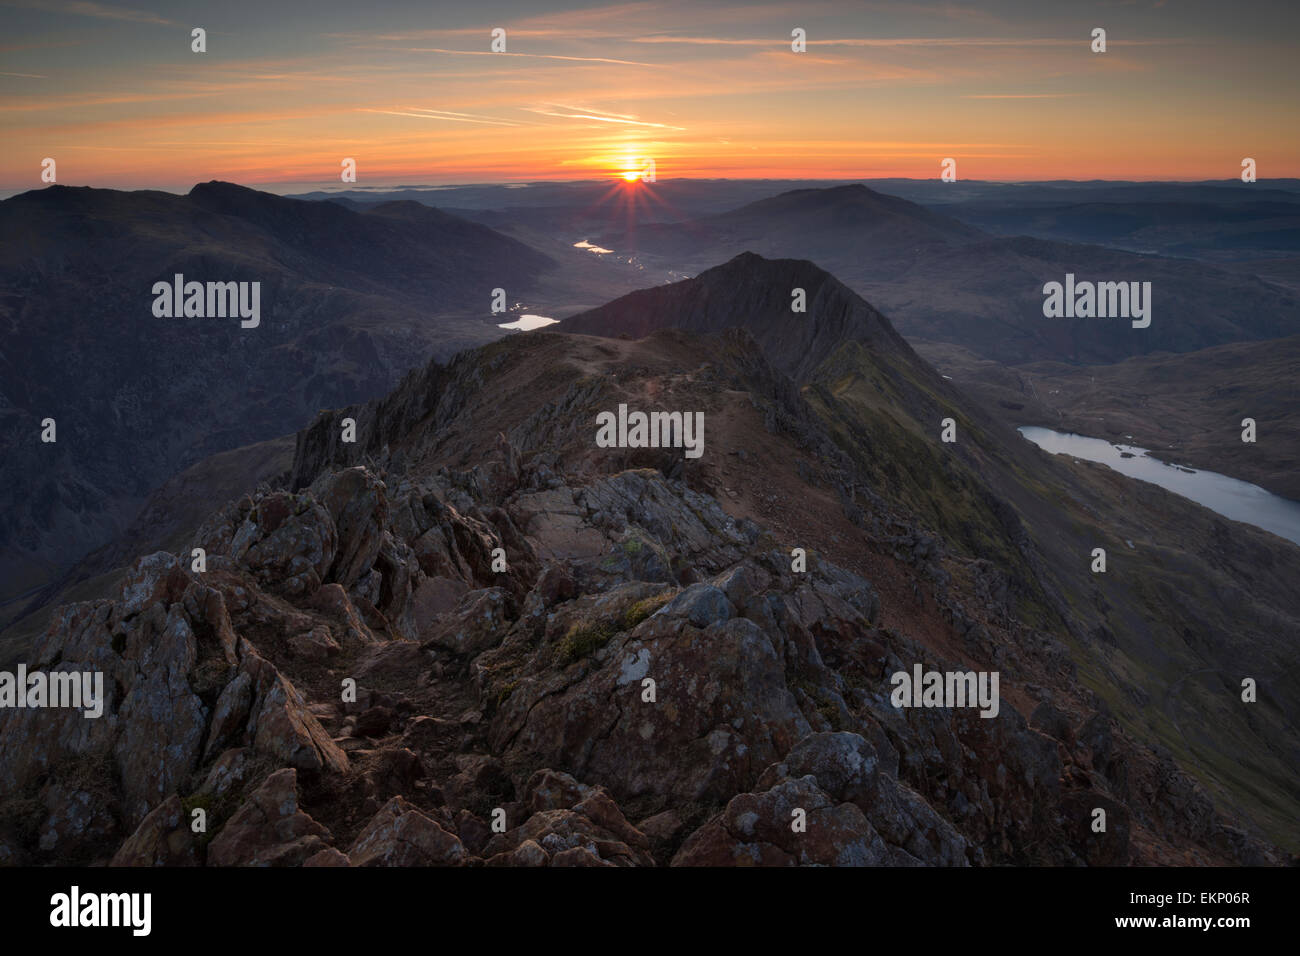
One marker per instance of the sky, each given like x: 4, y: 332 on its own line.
x: 1010, y: 89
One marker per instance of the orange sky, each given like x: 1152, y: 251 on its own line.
x: 115, y: 95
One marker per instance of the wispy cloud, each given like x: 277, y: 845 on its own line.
x: 596, y: 116
x: 535, y: 56
x: 897, y: 41
x: 88, y: 8
x: 420, y: 113
x: 30, y: 76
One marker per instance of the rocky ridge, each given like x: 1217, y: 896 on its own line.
x: 500, y: 604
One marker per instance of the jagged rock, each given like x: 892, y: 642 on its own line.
x: 723, y: 711
x: 844, y: 765
x: 269, y: 829
x: 153, y: 720
x: 357, y: 504
x: 230, y: 715
x: 163, y: 838
x: 579, y: 856
x: 553, y: 790
x: 1053, y: 722
x: 566, y: 815
x: 335, y: 602
x: 758, y: 829
x: 229, y: 773
x: 315, y: 645
x: 700, y: 604
x: 662, y: 827
x: 281, y: 724
x: 527, y: 854
x: 162, y: 719
x: 155, y: 579
x: 288, y: 542
x: 555, y: 584
x: 478, y: 623
x: 400, y: 835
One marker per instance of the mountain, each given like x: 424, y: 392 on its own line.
x: 636, y: 657
x: 728, y: 296
x: 941, y: 280
x: 824, y: 225
x: 348, y: 302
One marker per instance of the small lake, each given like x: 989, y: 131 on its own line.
x: 1238, y: 500
x: 526, y: 323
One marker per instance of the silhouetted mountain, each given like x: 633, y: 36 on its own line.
x: 824, y: 225
x: 753, y: 293
x: 940, y: 280
x: 348, y: 301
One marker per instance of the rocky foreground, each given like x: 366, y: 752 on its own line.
x: 548, y: 670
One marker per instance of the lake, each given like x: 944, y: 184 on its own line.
x: 526, y: 323
x: 1238, y: 500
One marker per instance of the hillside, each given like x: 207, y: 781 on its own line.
x: 348, y: 302
x: 1189, y: 406
x: 522, y: 687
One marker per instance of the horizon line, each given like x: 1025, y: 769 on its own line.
x: 304, y: 188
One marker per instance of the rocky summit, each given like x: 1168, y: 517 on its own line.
x: 474, y: 638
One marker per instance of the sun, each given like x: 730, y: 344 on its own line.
x: 632, y: 175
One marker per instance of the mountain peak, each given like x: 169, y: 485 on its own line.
x: 797, y: 312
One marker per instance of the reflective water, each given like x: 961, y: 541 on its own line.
x: 1238, y: 500
x: 526, y: 323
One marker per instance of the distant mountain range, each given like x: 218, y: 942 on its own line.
x: 942, y: 280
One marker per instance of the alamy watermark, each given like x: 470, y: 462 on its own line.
x: 210, y: 300
x: 82, y: 690
x: 924, y: 688
x: 1102, y: 300
x: 651, y: 430
x: 76, y: 909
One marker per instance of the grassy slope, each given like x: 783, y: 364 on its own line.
x: 1164, y: 637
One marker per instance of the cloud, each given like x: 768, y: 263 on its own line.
x: 537, y: 56
x: 88, y: 8
x: 440, y: 115
x: 895, y: 41
x: 598, y: 116
x: 1016, y: 96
